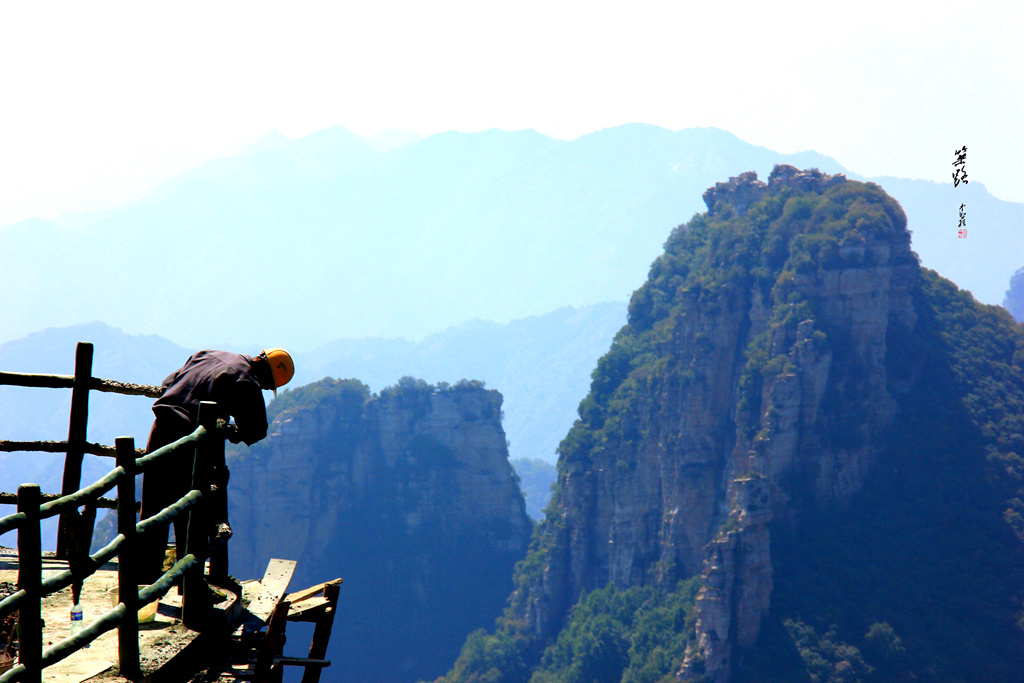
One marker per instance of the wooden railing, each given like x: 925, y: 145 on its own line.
x: 76, y: 446
x: 205, y: 504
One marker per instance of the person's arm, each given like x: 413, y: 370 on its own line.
x: 250, y: 414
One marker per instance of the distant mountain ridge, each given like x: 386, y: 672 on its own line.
x: 298, y: 243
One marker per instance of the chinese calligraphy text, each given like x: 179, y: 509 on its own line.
x: 960, y: 173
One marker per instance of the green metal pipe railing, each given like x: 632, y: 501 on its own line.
x: 206, y: 439
x: 32, y: 508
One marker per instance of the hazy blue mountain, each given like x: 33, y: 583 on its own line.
x: 273, y: 141
x: 298, y: 242
x: 391, y: 138
x: 326, y: 238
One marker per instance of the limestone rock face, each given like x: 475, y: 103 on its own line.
x: 702, y: 461
x: 409, y: 497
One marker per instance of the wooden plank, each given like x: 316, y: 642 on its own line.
x: 261, y: 603
x: 301, y: 661
x: 264, y: 595
x: 299, y: 596
x: 278, y: 576
x: 273, y: 644
x: 322, y: 633
x: 308, y: 610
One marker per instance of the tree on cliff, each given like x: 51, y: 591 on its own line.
x: 1014, y: 301
x: 823, y: 435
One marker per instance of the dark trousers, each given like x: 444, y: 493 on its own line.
x: 163, y: 483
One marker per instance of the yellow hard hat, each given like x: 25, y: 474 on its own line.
x: 281, y: 366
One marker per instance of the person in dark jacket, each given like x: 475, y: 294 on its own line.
x: 236, y: 382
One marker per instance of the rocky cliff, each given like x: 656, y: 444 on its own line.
x: 408, y: 496
x: 786, y: 362
x: 692, y: 455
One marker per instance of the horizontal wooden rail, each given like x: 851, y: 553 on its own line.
x: 301, y: 661
x: 36, y: 446
x: 110, y: 551
x: 169, y: 578
x: 92, y: 494
x: 25, y: 379
x: 86, y: 496
x: 105, y: 503
x: 125, y: 388
x: 95, y: 561
x: 147, y: 595
x: 67, y: 647
x: 60, y: 447
x: 101, y: 486
x: 22, y: 379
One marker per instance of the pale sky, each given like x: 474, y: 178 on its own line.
x: 101, y: 100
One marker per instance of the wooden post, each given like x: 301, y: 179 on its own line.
x: 30, y: 576
x: 127, y: 566
x: 195, y: 603
x: 79, y: 541
x: 212, y: 451
x: 264, y: 670
x: 78, y: 424
x: 322, y: 633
